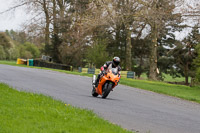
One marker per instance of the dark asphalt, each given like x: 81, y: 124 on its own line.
x: 129, y: 107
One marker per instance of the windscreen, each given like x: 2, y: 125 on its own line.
x: 114, y: 71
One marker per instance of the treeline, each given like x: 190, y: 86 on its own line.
x: 89, y: 32
x: 13, y: 46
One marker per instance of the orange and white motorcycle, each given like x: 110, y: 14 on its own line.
x: 106, y: 83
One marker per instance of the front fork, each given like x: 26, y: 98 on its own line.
x: 93, y: 80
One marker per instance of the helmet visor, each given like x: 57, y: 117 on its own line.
x: 116, y: 63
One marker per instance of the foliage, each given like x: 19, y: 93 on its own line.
x: 197, y: 75
x: 20, y: 37
x: 184, y: 53
x: 8, y: 50
x: 182, y: 60
x: 97, y: 53
x: 2, y: 53
x: 5, y: 45
x: 196, y: 63
x: 159, y: 15
x: 28, y: 50
x: 13, y: 53
x: 141, y: 52
x: 32, y: 49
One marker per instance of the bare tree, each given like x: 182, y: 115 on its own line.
x: 158, y: 14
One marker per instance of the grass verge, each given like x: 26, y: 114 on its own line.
x: 180, y: 91
x: 22, y: 112
x: 167, y: 78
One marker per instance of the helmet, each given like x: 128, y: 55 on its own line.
x: 116, y: 61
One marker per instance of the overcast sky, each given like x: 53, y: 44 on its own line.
x: 11, y: 20
x: 14, y: 20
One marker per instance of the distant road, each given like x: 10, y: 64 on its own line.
x: 132, y: 108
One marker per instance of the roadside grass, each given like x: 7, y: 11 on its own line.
x: 180, y: 91
x: 167, y: 78
x: 13, y: 63
x: 23, y: 112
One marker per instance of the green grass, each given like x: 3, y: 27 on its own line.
x: 167, y: 78
x: 180, y: 91
x: 22, y: 112
x: 13, y: 63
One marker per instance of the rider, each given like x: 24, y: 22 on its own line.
x: 113, y: 64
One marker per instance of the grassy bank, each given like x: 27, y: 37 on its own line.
x: 22, y: 112
x: 184, y: 92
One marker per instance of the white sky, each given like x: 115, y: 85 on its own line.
x: 12, y: 19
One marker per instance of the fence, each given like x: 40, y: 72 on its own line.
x: 42, y: 63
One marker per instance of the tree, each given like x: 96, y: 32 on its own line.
x: 113, y: 18
x: 5, y: 46
x: 32, y: 48
x: 97, y: 54
x: 183, y: 57
x: 141, y: 52
x: 159, y: 15
x: 196, y: 63
x: 28, y: 50
x: 4, y: 41
x: 184, y: 54
x: 2, y: 53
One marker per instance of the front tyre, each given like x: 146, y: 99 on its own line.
x: 106, y: 90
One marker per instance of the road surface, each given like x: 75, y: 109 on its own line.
x: 131, y: 108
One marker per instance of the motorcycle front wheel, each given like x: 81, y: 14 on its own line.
x: 106, y: 90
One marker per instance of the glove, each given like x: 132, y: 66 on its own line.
x: 103, y: 72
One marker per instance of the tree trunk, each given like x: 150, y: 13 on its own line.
x: 47, y: 33
x: 128, y: 51
x: 153, y: 54
x: 56, y: 39
x: 140, y: 66
x: 55, y: 28
x: 186, y: 74
x: 61, y: 5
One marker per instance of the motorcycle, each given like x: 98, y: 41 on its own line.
x: 106, y: 83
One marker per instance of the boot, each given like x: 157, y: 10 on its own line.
x: 97, y: 82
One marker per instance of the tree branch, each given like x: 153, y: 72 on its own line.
x: 14, y: 7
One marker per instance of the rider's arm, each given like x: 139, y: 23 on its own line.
x: 105, y: 66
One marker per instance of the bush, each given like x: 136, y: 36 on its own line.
x: 33, y: 49
x: 28, y: 50
x: 197, y: 78
x: 2, y: 53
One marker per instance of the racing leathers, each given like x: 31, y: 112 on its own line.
x: 103, y: 70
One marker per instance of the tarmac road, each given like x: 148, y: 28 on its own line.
x: 132, y: 108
